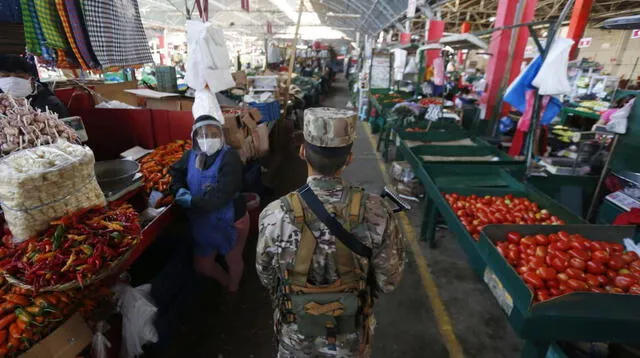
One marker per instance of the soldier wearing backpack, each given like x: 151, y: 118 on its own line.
x: 327, y: 250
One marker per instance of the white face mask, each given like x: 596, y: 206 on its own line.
x: 16, y: 86
x: 210, y: 145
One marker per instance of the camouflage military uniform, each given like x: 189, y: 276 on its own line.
x: 279, y: 239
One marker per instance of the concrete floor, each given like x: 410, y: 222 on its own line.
x: 240, y: 325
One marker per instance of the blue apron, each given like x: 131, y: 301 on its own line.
x: 213, y: 231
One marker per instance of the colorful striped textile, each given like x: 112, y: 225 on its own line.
x: 50, y: 24
x: 33, y: 45
x: 64, y: 19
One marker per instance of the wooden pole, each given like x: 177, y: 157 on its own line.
x: 292, y: 60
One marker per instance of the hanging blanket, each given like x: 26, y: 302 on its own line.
x: 30, y: 37
x: 67, y: 30
x: 51, y: 25
x: 47, y: 53
x: 80, y: 38
x: 116, y: 32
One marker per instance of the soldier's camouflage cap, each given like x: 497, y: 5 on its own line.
x: 329, y: 127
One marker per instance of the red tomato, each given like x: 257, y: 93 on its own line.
x: 547, y: 273
x: 563, y: 277
x: 543, y: 295
x: 577, y: 263
x: 559, y: 264
x: 563, y: 245
x: 514, y: 237
x: 564, y: 236
x: 635, y: 267
x: 617, y: 248
x: 624, y: 281
x: 553, y: 283
x: 598, y: 290
x: 595, y: 268
x: 513, y: 255
x: 629, y: 257
x: 528, y: 241
x: 603, y: 280
x: 596, y: 245
x: 611, y: 275
x: 581, y: 254
x: 634, y: 289
x: 549, y: 259
x: 576, y: 244
x: 600, y: 256
x: 574, y: 273
x: 533, y: 279
x: 563, y: 255
x: 522, y: 269
x: 616, y: 262
x: 536, y: 262
x: 555, y: 292
x: 592, y: 280
x: 541, y: 251
x: 577, y: 285
x: 541, y: 239
x: 553, y: 237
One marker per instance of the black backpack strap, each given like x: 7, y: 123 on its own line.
x: 334, y: 226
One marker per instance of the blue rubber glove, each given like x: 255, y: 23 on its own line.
x: 183, y: 198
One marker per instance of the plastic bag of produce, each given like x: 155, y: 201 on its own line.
x: 138, y: 313
x: 44, y: 183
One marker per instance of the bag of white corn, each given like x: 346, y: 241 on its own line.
x: 41, y: 184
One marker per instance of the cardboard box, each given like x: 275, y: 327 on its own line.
x: 65, y: 342
x: 170, y: 103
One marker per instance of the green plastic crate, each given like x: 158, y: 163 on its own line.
x: 578, y: 316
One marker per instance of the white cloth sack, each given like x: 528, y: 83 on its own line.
x: 552, y: 78
x: 138, y: 313
x: 618, y: 122
x: 206, y: 102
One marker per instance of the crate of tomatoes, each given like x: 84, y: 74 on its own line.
x: 565, y: 282
x: 469, y: 210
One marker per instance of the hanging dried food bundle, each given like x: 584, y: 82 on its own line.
x: 22, y: 127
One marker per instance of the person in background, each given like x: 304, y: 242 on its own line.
x: 480, y: 84
x: 18, y: 78
x: 206, y: 182
x: 465, y: 97
x: 605, y: 117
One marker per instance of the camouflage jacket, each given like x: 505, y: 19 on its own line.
x: 279, y: 239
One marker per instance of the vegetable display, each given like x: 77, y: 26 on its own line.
x: 425, y: 102
x: 40, y: 184
x: 560, y: 263
x: 23, y: 127
x: 75, y: 249
x: 476, y: 212
x: 26, y: 318
x: 155, y: 166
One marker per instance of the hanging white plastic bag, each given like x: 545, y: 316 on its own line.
x: 618, y: 122
x: 205, y: 102
x: 552, y: 78
x: 208, y: 62
x: 412, y: 67
x: 138, y: 313
x: 399, y: 61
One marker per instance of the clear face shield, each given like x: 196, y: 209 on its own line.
x: 209, y: 137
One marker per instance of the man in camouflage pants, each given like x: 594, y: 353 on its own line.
x: 329, y: 134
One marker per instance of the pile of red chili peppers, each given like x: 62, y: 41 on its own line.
x: 78, y: 247
x: 26, y: 318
